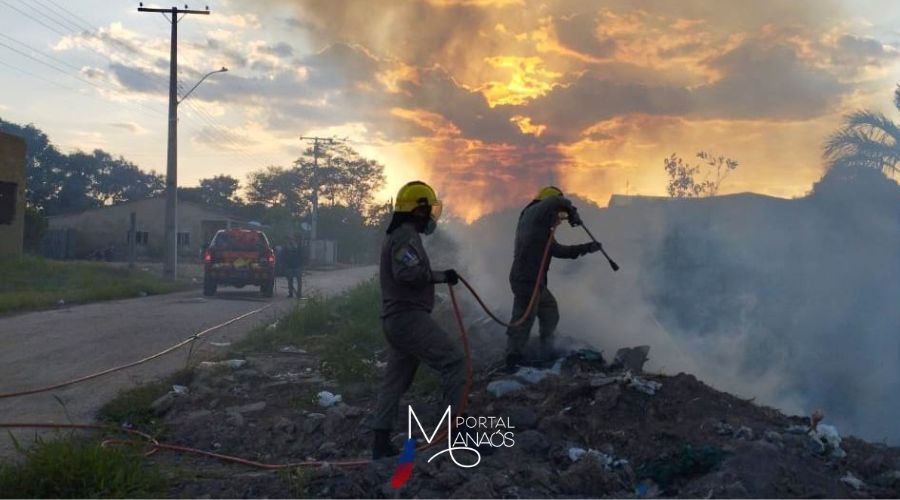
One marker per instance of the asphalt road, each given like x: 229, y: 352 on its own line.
x: 43, y: 348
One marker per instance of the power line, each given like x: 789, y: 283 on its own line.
x: 44, y: 54
x: 70, y: 13
x: 154, y: 81
x: 44, y: 14
x: 225, y: 134
x: 63, y: 71
x: 34, y: 75
x: 219, y: 134
x: 29, y: 16
x: 77, y: 25
x: 64, y: 21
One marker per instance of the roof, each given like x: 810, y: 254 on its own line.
x: 623, y: 200
x: 158, y: 199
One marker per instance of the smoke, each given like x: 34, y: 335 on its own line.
x: 484, y: 99
x: 790, y: 302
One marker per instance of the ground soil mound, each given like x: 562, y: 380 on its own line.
x: 586, y: 429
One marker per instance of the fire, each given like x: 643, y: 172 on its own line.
x: 528, y: 79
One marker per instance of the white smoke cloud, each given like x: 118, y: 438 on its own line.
x: 790, y: 302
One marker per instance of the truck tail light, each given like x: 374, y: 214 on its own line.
x: 207, y: 256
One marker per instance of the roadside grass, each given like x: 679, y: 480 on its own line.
x: 72, y: 466
x: 343, y: 330
x: 132, y: 406
x: 31, y: 282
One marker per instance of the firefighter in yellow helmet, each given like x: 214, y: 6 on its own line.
x: 407, y: 297
x: 532, y: 232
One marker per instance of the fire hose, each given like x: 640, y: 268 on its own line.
x: 155, y: 445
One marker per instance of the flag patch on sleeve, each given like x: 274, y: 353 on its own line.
x: 408, y: 256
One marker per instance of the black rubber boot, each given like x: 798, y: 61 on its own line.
x: 381, y: 445
x: 548, y: 353
x: 513, y: 362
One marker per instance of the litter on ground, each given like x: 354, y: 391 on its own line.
x: 229, y: 363
x: 327, y: 399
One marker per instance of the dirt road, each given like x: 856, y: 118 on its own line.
x: 46, y: 347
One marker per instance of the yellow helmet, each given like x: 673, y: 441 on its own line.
x: 417, y: 194
x: 548, y: 191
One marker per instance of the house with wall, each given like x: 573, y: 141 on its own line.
x: 105, y: 229
x: 12, y: 194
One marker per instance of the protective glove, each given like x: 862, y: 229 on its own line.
x: 574, y: 218
x: 594, y: 247
x: 450, y: 277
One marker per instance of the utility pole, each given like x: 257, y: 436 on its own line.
x: 170, y: 266
x: 315, y: 200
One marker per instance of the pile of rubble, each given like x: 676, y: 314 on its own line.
x: 582, y: 427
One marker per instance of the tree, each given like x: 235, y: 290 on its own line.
x: 219, y: 191
x: 42, y: 161
x: 345, y: 177
x: 118, y: 180
x: 76, y: 185
x: 279, y: 186
x: 868, y: 139
x: 59, y: 183
x: 683, y: 176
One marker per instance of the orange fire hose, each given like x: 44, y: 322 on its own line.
x: 177, y: 346
x: 154, y: 445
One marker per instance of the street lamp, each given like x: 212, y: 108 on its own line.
x: 170, y: 267
x: 185, y: 96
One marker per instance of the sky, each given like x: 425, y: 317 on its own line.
x: 486, y: 99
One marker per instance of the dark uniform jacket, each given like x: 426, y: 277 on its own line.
x: 531, y: 238
x: 407, y: 281
x: 292, y: 257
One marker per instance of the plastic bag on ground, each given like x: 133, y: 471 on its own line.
x: 327, y: 399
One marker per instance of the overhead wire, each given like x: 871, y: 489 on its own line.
x: 212, y: 129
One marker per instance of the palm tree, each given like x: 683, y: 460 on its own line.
x: 868, y: 139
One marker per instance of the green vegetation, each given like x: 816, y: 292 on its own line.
x: 132, y: 406
x: 71, y: 466
x: 297, y: 481
x: 32, y: 283
x: 684, y: 463
x: 344, y: 330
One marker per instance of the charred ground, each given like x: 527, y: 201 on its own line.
x: 685, y: 440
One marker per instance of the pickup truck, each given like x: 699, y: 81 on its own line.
x: 239, y: 257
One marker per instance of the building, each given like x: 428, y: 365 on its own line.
x: 105, y: 229
x: 12, y: 194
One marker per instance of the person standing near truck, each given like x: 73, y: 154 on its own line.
x: 292, y: 256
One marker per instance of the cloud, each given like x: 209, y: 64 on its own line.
x: 415, y: 32
x: 768, y: 82
x: 219, y: 138
x: 131, y: 127
x: 579, y: 33
x: 468, y: 110
x: 855, y: 51
x: 340, y: 65
x: 280, y: 49
x: 475, y: 92
x: 137, y: 79
x: 569, y: 110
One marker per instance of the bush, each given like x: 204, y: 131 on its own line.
x: 132, y: 406
x: 345, y: 330
x: 74, y: 467
x: 34, y: 282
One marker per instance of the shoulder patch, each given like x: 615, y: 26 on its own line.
x: 407, y: 256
